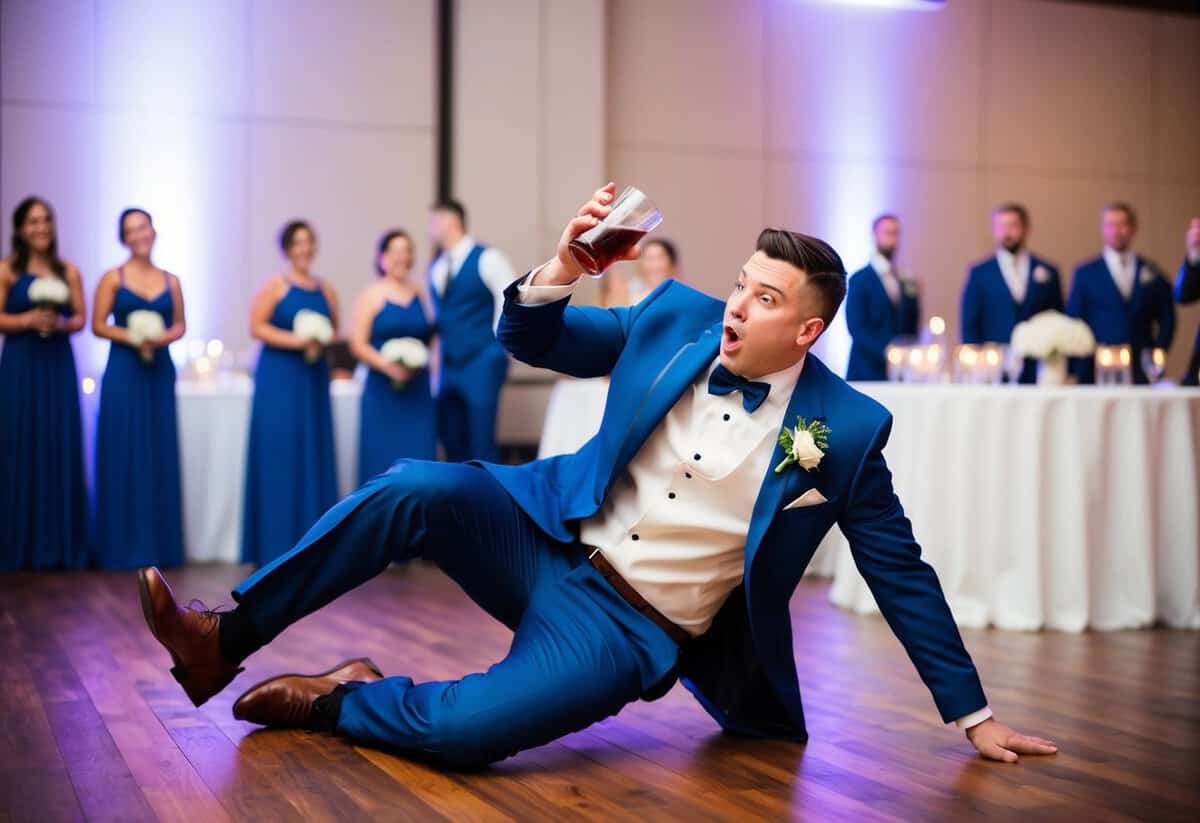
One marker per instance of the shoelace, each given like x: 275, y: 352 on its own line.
x: 212, y: 615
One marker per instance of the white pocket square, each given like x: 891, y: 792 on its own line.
x: 812, y: 497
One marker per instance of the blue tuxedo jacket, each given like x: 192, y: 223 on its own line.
x: 1187, y: 290
x: 1145, y: 320
x: 989, y: 312
x: 874, y: 322
x: 742, y: 670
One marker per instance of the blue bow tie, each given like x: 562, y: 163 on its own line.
x: 722, y: 382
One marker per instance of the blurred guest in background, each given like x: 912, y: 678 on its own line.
x: 139, y: 510
x: 1187, y: 290
x: 880, y: 305
x: 658, y: 263
x: 291, y: 473
x: 1121, y: 296
x: 398, y: 415
x: 1009, y: 287
x: 468, y: 282
x: 43, y: 495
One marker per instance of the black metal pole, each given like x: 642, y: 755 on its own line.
x: 444, y: 184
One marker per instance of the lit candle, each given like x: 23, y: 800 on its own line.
x: 937, y: 326
x: 89, y: 385
x: 214, y: 349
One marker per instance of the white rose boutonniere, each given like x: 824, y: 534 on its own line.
x: 804, y: 445
x: 1041, y: 274
x: 1148, y: 273
x: 909, y: 285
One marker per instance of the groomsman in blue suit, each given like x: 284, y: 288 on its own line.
x: 1121, y: 296
x: 880, y: 305
x: 1009, y: 287
x: 1187, y: 290
x: 667, y: 547
x: 467, y: 282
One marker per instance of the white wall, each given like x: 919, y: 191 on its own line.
x: 224, y: 119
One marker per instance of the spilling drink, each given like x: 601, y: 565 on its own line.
x: 632, y: 217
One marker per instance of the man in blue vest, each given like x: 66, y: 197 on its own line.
x: 1121, y: 295
x: 1009, y: 287
x: 667, y: 547
x: 1187, y: 290
x: 881, y: 306
x: 467, y: 282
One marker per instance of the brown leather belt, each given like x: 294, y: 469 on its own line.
x: 636, y: 600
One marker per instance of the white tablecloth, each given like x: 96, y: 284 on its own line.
x: 214, y: 422
x: 1060, y: 508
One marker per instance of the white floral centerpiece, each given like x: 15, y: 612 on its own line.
x: 145, y: 326
x: 1051, y: 337
x: 312, y: 325
x: 49, y: 293
x: 409, y: 352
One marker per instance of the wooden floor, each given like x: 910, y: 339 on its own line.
x: 93, y: 727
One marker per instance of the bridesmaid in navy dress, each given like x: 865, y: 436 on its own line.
x: 139, y: 510
x: 395, y: 422
x: 291, y: 472
x: 43, y: 494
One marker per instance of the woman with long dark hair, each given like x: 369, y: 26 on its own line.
x: 43, y: 496
x: 139, y: 511
x: 291, y: 469
x: 390, y: 337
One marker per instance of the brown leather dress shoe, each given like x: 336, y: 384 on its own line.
x: 286, y: 701
x: 189, y: 634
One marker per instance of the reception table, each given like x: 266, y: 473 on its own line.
x: 1063, y: 508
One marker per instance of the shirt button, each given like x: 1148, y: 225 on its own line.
x: 671, y: 495
x: 635, y: 537
x: 688, y: 475
x: 726, y: 417
x: 696, y: 456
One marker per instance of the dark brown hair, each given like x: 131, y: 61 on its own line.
x: 127, y: 213
x: 21, y: 252
x: 886, y: 216
x: 287, y: 235
x: 1121, y: 205
x: 386, y: 241
x: 1013, y: 208
x: 666, y: 245
x: 821, y: 264
x: 454, y: 207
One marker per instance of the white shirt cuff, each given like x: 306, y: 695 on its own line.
x: 531, y: 295
x: 974, y: 718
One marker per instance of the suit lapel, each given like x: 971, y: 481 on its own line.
x: 808, y: 402
x: 670, y: 383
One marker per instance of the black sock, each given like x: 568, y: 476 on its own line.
x: 327, y: 709
x: 237, y: 636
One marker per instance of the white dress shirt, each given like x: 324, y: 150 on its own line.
x: 494, y: 270
x: 674, y: 523
x: 1123, y: 268
x: 887, y: 275
x: 1015, y: 270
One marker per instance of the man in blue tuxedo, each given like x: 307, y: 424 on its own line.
x: 667, y: 547
x: 1009, y: 287
x: 467, y: 282
x: 1187, y: 290
x: 1121, y: 296
x: 880, y: 305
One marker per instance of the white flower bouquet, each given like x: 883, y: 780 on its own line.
x: 312, y: 325
x: 145, y: 326
x: 49, y: 293
x: 408, y: 352
x: 1051, y: 337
